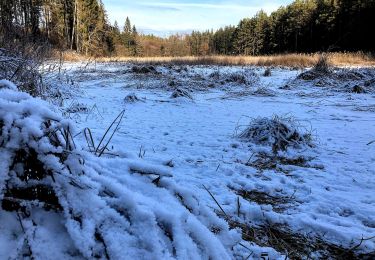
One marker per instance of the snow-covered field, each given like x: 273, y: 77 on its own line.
x: 321, y: 193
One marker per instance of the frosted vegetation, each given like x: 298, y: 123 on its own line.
x: 188, y: 162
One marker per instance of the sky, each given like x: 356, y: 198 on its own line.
x: 164, y: 17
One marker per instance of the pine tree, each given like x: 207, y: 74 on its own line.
x: 127, y: 36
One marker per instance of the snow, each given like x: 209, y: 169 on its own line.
x: 108, y: 206
x: 192, y: 144
x: 7, y: 84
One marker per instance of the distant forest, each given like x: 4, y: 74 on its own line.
x: 304, y: 26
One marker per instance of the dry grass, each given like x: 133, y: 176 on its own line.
x: 278, y: 203
x: 288, y: 60
x: 294, y: 244
x: 280, y: 132
x: 21, y: 66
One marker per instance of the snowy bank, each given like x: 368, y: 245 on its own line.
x: 60, y: 202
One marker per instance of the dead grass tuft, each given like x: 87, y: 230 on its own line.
x: 144, y: 69
x: 358, y: 89
x: 179, y: 92
x: 264, y: 92
x: 132, y: 98
x: 238, y: 77
x: 279, y: 132
x: 323, y: 66
x: 267, y: 72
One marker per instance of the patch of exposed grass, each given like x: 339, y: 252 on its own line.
x: 297, y: 245
x: 278, y: 203
x: 265, y: 161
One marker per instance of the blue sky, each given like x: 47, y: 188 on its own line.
x: 163, y: 17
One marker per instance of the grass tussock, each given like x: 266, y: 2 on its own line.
x: 181, y: 93
x: 131, y: 98
x: 323, y: 65
x: 287, y: 60
x: 279, y: 132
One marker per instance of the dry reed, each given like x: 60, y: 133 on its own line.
x: 287, y: 60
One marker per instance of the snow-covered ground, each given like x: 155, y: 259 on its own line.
x: 331, y: 196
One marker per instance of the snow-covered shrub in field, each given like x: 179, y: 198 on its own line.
x: 59, y: 202
x: 279, y: 132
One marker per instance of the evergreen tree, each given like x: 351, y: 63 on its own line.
x: 302, y: 26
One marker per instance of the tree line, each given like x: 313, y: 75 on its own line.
x: 305, y: 26
x: 79, y: 25
x: 302, y: 26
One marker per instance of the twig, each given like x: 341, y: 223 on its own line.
x: 212, y: 196
x: 360, y: 243
x: 238, y: 206
x: 89, y: 139
x: 119, y: 118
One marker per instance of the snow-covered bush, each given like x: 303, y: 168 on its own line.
x: 279, y: 132
x: 60, y: 202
